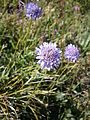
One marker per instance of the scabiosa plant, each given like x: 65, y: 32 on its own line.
x: 71, y: 53
x: 33, y: 10
x: 48, y: 56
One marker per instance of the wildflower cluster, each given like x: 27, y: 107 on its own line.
x: 49, y: 56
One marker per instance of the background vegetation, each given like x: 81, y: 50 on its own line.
x: 26, y: 91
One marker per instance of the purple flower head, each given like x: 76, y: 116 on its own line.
x: 33, y: 10
x: 76, y: 8
x: 48, y: 56
x: 71, y: 53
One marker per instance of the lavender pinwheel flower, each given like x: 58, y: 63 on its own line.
x: 71, y: 53
x: 48, y: 56
x: 33, y: 10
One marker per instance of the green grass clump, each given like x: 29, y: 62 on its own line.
x: 26, y: 91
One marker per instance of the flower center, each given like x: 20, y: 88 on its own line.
x: 72, y: 52
x: 49, y: 55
